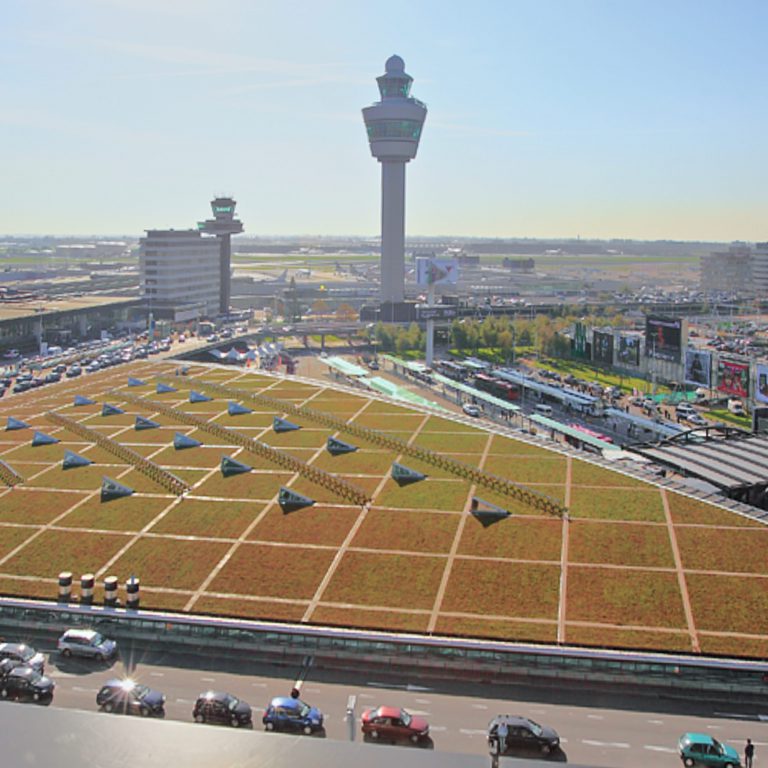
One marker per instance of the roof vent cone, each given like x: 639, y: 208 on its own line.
x: 394, y: 124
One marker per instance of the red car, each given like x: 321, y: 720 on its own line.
x: 394, y: 724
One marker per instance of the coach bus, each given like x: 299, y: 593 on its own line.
x: 504, y: 390
x: 592, y: 433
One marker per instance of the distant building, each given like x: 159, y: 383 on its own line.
x: 731, y: 270
x: 759, y: 281
x: 519, y: 265
x: 180, y: 273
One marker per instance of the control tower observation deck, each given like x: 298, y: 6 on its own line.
x: 394, y: 128
x: 223, y: 225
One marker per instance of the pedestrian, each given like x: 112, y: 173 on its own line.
x: 749, y: 753
x: 501, y: 734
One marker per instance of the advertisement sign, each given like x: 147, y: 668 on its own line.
x: 437, y: 271
x: 629, y: 351
x: 698, y: 367
x: 733, y: 378
x: 579, y: 340
x: 602, y: 347
x: 761, y: 394
x: 441, y: 312
x: 663, y: 337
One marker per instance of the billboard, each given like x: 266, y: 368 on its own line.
x: 602, y: 347
x: 579, y: 345
x: 733, y: 378
x: 663, y: 337
x: 698, y: 367
x: 438, y: 312
x: 437, y: 271
x: 761, y: 392
x: 629, y: 351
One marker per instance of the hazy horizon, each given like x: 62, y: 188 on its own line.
x: 547, y: 120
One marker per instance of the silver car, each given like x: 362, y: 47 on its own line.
x: 86, y: 642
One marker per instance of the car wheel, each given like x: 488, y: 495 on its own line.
x: 35, y: 696
x: 4, y: 693
x: 728, y: 765
x: 414, y: 738
x: 199, y: 718
x: 374, y: 734
x: 143, y: 711
x: 235, y: 722
x: 269, y: 726
x: 66, y: 653
x: 307, y: 729
x: 545, y: 749
x: 688, y: 762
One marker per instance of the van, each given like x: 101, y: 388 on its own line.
x: 542, y: 408
x: 685, y: 409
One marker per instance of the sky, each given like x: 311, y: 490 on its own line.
x: 637, y: 119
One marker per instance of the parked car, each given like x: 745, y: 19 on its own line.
x: 23, y: 683
x: 86, y: 642
x: 522, y: 734
x: 219, y: 707
x: 697, y: 419
x: 131, y: 698
x: 6, y: 665
x: 394, y: 724
x: 23, y: 654
x: 470, y: 410
x: 287, y: 714
x: 703, y: 749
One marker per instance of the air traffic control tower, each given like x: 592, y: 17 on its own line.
x: 223, y: 225
x: 394, y: 128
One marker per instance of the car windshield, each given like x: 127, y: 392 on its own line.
x: 535, y: 728
x: 305, y: 709
x: 405, y: 717
x: 232, y: 703
x: 26, y: 652
x: 718, y: 747
x: 97, y: 639
x: 140, y: 691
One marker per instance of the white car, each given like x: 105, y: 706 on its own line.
x: 471, y: 410
x: 696, y: 418
x: 86, y: 642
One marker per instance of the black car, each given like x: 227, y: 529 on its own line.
x: 23, y: 683
x: 522, y: 734
x: 6, y: 665
x: 223, y: 708
x: 131, y: 698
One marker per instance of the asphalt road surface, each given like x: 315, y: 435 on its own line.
x: 602, y: 729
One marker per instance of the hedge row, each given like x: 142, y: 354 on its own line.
x: 9, y: 476
x: 498, y: 484
x: 338, y: 486
x: 169, y: 481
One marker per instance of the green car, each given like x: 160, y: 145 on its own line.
x: 702, y: 749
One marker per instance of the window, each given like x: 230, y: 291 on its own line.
x: 394, y: 129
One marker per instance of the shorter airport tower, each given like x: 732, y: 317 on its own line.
x: 223, y: 225
x: 394, y: 128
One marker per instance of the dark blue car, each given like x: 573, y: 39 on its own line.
x: 287, y: 714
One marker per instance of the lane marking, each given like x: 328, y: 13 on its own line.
x: 208, y: 679
x: 472, y: 732
x: 654, y: 748
x: 80, y: 689
x: 479, y: 706
x: 157, y: 674
x: 615, y: 744
x: 595, y: 717
x: 656, y: 722
x: 422, y: 701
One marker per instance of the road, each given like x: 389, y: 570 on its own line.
x: 618, y: 729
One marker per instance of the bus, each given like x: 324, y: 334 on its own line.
x: 504, y: 390
x: 592, y: 433
x: 451, y: 370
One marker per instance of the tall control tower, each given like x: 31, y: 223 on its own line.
x: 394, y: 128
x: 223, y: 225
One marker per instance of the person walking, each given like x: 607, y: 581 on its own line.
x: 749, y: 753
